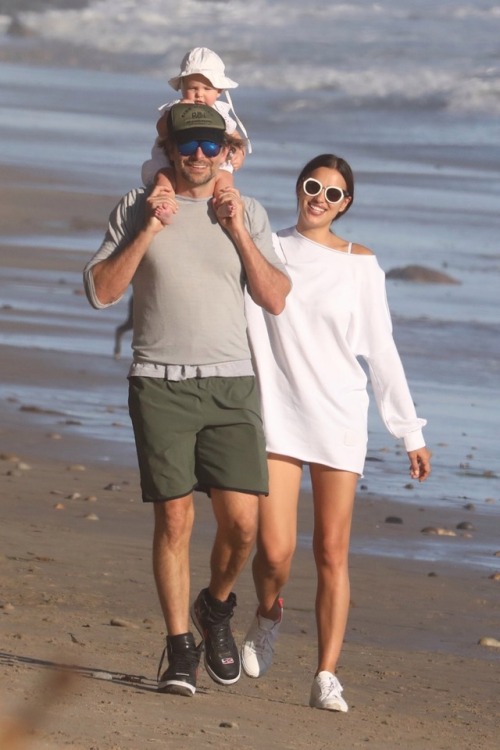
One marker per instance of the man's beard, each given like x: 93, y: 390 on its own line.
x: 195, y: 178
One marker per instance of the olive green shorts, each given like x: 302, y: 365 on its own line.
x: 200, y: 433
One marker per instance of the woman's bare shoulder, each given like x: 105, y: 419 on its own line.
x: 361, y: 250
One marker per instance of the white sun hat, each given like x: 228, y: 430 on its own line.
x: 203, y: 61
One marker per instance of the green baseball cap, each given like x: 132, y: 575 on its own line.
x: 195, y: 122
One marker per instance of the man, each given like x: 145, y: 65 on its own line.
x: 192, y: 394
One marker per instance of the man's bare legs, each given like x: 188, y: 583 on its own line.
x: 236, y: 517
x: 172, y: 533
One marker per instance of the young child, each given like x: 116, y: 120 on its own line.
x: 201, y: 80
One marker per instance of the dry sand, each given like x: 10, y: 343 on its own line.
x: 76, y: 589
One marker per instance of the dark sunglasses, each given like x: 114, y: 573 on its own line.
x: 209, y: 148
x: 314, y: 187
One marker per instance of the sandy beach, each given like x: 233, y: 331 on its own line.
x: 76, y: 587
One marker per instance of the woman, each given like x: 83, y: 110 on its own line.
x: 315, y: 406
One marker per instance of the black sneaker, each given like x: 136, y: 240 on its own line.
x: 183, y: 661
x: 211, y: 617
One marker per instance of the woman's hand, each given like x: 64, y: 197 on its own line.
x: 420, y: 463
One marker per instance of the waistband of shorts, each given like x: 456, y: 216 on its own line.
x: 237, y: 369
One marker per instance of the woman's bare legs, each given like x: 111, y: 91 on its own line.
x: 277, y: 533
x: 333, y: 493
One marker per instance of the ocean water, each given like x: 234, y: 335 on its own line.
x: 408, y: 91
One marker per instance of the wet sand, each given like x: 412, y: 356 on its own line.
x: 77, y: 589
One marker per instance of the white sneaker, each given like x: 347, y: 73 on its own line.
x: 257, y: 650
x: 326, y: 692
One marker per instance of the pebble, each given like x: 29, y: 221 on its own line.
x: 470, y: 506
x: 421, y: 275
x: 74, y: 496
x: 77, y: 467
x: 393, y: 519
x: 117, y: 622
x: 8, y: 607
x: 91, y: 499
x: 102, y: 675
x: 495, y: 576
x: 228, y: 725
x: 465, y: 526
x: 112, y: 487
x: 488, y: 641
x: 438, y: 530
x: 497, y: 554
x: 59, y: 506
x: 91, y: 517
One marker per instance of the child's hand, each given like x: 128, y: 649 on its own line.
x: 237, y: 157
x: 161, y: 126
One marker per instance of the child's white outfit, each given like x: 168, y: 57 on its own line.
x: 205, y: 62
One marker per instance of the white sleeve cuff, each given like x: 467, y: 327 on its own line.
x: 414, y: 440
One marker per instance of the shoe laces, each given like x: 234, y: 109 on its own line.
x: 330, y: 685
x: 263, y: 642
x: 221, y: 636
x: 183, y: 660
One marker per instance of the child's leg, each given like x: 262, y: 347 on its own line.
x: 165, y: 179
x: 224, y: 180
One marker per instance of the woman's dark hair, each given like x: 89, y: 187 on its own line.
x: 330, y: 161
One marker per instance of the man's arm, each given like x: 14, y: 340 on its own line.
x: 267, y: 285
x: 112, y: 276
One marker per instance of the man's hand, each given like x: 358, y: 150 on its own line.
x: 229, y: 209
x: 161, y: 205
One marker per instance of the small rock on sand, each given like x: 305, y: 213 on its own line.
x: 117, y: 622
x: 488, y: 641
x: 421, y: 275
x: 438, y: 531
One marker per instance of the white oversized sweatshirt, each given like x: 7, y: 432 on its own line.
x: 313, y: 388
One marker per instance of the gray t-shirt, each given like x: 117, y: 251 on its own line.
x: 189, y: 287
